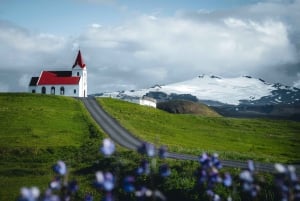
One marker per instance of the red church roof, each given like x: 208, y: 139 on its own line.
x: 52, y: 78
x: 79, y: 61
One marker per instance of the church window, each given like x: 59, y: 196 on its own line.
x: 52, y: 90
x: 62, y: 90
x: 74, y: 91
x: 43, y: 90
x: 77, y: 73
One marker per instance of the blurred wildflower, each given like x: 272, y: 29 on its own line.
x: 227, y: 181
x: 287, y: 182
x: 164, y: 170
x: 128, y: 184
x: 162, y: 152
x: 144, y: 168
x: 55, y: 184
x: 60, y: 168
x: 209, y: 176
x: 215, y: 161
x: 108, y: 147
x: 88, y: 197
x: 50, y: 197
x: 249, y: 186
x: 144, y: 192
x: 29, y: 194
x: 104, y: 181
x: 147, y: 149
x: 73, y: 187
x: 108, y: 197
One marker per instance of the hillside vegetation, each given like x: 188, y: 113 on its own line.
x: 259, y: 139
x: 187, y: 107
x: 38, y: 130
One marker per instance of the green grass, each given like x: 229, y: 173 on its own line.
x: 38, y: 130
x: 259, y: 139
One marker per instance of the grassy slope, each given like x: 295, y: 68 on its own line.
x: 258, y: 139
x: 35, y: 132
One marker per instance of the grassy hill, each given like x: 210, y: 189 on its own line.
x: 259, y: 139
x: 187, y: 107
x: 38, y: 130
x: 35, y: 132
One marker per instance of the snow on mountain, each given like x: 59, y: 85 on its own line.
x: 231, y: 91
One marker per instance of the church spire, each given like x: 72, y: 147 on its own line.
x: 79, y: 60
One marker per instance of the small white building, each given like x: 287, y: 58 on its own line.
x: 65, y: 83
x: 148, y: 101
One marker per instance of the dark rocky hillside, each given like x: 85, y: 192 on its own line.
x: 283, y: 111
x: 187, y: 107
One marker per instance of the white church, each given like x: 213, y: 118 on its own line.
x: 65, y: 83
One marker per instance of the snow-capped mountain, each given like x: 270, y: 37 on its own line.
x: 214, y: 90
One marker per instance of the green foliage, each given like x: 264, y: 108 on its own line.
x: 38, y: 130
x: 258, y: 139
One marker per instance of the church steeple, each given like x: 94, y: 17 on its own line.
x: 79, y: 61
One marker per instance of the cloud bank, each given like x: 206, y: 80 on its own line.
x: 261, y: 40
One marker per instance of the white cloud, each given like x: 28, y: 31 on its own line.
x: 258, y: 40
x: 297, y: 82
x: 184, y: 48
x: 96, y: 26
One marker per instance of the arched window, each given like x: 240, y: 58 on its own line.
x: 62, y: 90
x: 74, y: 91
x: 52, y: 90
x: 43, y: 90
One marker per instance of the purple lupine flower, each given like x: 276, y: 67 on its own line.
x: 88, y: 197
x: 248, y: 184
x: 292, y: 174
x: 216, y: 162
x: 251, y: 166
x: 128, y: 184
x: 29, y: 194
x: 164, y: 170
x: 246, y: 176
x: 147, y: 148
x: 60, y: 168
x: 287, y: 182
x: 227, y: 181
x: 108, y: 147
x: 73, y: 186
x: 143, y: 192
x: 202, y: 176
x: 144, y: 168
x: 216, y: 197
x: 56, y: 183
x: 104, y: 181
x: 108, y: 197
x: 49, y: 196
x: 162, y: 152
x: 280, y: 168
x: 205, y: 160
x: 214, y: 176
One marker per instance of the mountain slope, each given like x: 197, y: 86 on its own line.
x: 216, y: 91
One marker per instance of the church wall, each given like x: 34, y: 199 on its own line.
x: 67, y: 90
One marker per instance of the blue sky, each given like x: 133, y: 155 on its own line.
x: 71, y: 16
x: 132, y: 44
